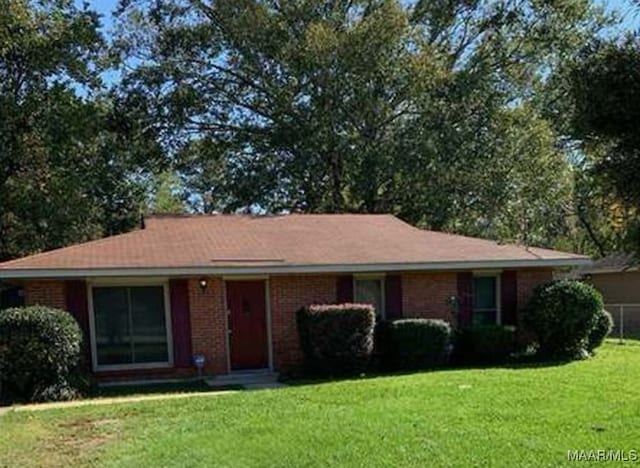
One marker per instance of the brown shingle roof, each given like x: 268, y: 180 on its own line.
x: 241, y: 242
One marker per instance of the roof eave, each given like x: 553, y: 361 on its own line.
x: 29, y: 273
x: 607, y: 271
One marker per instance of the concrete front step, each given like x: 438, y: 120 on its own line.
x: 248, y: 379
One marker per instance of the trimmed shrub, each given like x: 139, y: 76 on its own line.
x: 561, y: 314
x: 418, y: 343
x: 39, y: 353
x: 336, y: 338
x: 486, y: 344
x: 601, y: 329
x: 61, y: 391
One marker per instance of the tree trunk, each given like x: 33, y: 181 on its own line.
x: 592, y: 235
x: 336, y: 188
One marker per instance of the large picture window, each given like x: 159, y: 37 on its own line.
x: 369, y: 291
x: 485, y: 300
x: 130, y: 325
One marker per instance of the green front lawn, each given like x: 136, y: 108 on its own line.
x: 498, y: 417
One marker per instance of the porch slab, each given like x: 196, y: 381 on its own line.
x: 251, y: 380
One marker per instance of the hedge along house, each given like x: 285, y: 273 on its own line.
x: 228, y: 286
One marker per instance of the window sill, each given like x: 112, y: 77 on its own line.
x: 133, y: 367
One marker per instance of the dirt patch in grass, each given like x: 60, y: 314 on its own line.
x: 78, y: 441
x: 79, y: 445
x: 51, y: 442
x: 88, y: 423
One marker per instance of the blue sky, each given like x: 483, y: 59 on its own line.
x: 630, y: 13
x: 104, y: 7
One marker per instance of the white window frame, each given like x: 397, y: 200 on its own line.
x: 131, y: 283
x: 497, y: 276
x: 373, y: 277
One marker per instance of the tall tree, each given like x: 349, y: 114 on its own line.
x: 166, y: 194
x: 416, y: 108
x: 605, y: 87
x: 68, y: 155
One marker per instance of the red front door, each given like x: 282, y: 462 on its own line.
x: 247, y: 325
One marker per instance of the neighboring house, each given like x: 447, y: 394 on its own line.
x: 228, y: 286
x: 617, y: 277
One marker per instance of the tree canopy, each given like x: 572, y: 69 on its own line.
x: 69, y: 160
x: 473, y: 117
x: 424, y: 109
x: 605, y: 87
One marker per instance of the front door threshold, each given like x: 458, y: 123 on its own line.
x: 260, y: 371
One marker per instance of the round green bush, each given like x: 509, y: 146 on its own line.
x: 40, y: 349
x: 561, y: 314
x: 601, y: 329
x: 414, y: 343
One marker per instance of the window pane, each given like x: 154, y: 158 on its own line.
x: 149, y: 325
x: 113, y: 340
x: 484, y: 292
x: 130, y: 325
x: 369, y: 292
x: 485, y: 317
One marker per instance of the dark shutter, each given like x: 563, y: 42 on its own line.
x: 78, y: 306
x: 344, y: 289
x: 465, y: 298
x: 181, y: 322
x: 11, y: 296
x: 393, y: 296
x: 509, y: 297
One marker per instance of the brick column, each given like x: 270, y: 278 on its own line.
x: 208, y: 324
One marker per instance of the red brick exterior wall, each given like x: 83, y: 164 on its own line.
x: 49, y: 293
x: 426, y: 295
x: 288, y: 294
x: 527, y: 281
x: 423, y: 295
x: 209, y: 324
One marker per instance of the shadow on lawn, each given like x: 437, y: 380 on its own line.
x: 522, y: 362
x: 187, y: 386
x: 303, y: 378
x: 141, y: 389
